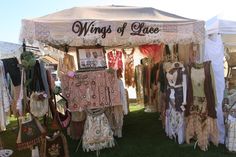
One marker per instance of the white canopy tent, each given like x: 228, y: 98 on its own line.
x: 111, y: 26
x: 10, y: 50
x: 220, y: 35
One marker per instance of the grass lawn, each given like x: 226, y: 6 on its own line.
x: 143, y: 136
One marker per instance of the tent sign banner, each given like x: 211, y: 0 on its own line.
x: 111, y: 33
x: 136, y: 28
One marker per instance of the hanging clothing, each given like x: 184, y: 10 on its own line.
x: 146, y: 62
x: 115, y: 59
x: 38, y: 98
x: 231, y: 133
x: 5, y: 98
x: 154, y: 85
x: 75, y: 130
x: 18, y: 101
x: 150, y: 77
x: 123, y: 97
x: 11, y: 67
x: 154, y: 51
x: 175, y: 101
x: 44, y: 77
x: 91, y: 90
x: 184, y: 53
x: 129, y: 68
x: 139, y: 83
x: 66, y: 64
x: 115, y: 117
x: 97, y: 132
x: 200, y: 109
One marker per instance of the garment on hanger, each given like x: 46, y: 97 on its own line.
x: 75, y: 130
x: 150, y: 77
x: 97, y: 132
x: 91, y: 90
x: 161, y: 93
x: 11, y: 67
x: 175, y: 101
x: 154, y: 84
x: 115, y: 117
x: 115, y: 59
x: 194, y: 53
x: 123, y: 97
x: 44, y: 77
x: 129, y: 68
x: 38, y: 98
x: 152, y: 51
x: 185, y: 51
x: 230, y: 138
x: 5, y: 98
x: 146, y: 62
x: 139, y: 83
x: 66, y: 64
x: 200, y: 108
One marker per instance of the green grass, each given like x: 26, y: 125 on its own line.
x: 143, y: 136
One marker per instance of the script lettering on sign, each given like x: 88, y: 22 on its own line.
x: 88, y: 27
x: 135, y: 28
x: 140, y: 29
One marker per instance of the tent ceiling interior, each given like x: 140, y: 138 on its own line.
x: 104, y: 27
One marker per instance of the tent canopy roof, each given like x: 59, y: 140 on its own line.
x: 225, y: 25
x: 222, y: 24
x: 141, y: 25
x: 113, y: 13
x: 10, y: 50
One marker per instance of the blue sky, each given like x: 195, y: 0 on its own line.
x: 12, y: 11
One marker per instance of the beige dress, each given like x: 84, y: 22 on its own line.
x: 97, y: 132
x: 199, y: 123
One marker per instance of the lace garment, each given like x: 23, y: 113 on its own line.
x: 97, y: 132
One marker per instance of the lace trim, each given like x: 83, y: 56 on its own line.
x: 61, y: 34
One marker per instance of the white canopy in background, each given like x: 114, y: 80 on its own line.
x: 10, y: 50
x: 111, y: 26
x: 225, y: 25
x: 220, y: 35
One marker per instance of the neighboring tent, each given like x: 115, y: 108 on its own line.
x: 111, y: 26
x: 10, y: 50
x: 220, y: 36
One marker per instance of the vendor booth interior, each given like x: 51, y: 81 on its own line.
x: 102, y: 57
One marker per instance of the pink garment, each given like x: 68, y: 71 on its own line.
x: 115, y: 60
x: 94, y: 89
x: 153, y: 51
